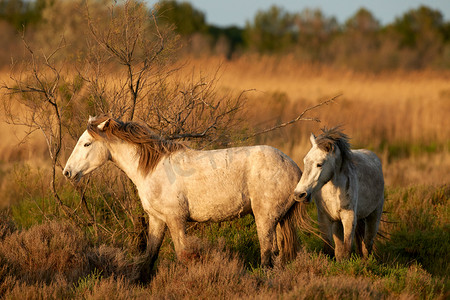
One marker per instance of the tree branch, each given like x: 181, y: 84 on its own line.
x: 298, y: 118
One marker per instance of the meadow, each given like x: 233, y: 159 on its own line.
x: 401, y: 116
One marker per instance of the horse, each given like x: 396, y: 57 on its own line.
x: 348, y: 188
x: 177, y: 184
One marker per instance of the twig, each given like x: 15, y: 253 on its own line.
x: 192, y: 135
x: 298, y: 118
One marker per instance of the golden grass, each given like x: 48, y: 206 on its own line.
x: 391, y: 112
x: 410, y: 105
x: 400, y: 115
x: 15, y: 149
x: 299, y: 80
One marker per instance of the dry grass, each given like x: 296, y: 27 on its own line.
x: 394, y: 107
x: 56, y: 258
x: 403, y: 117
x: 15, y: 149
x: 45, y: 252
x: 213, y: 273
x: 426, y: 169
x: 304, y: 81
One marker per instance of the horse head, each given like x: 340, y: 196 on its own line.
x: 89, y: 153
x: 319, y: 167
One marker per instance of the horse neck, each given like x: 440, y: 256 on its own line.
x: 125, y: 157
x: 342, y: 171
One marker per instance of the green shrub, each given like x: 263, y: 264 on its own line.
x: 239, y: 236
x: 88, y: 282
x: 429, y: 248
x: 419, y: 231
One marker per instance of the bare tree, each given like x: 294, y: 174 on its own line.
x: 37, y: 88
x: 143, y: 86
x: 132, y: 39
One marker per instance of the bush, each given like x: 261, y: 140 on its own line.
x: 113, y: 262
x: 429, y: 248
x: 212, y: 272
x: 46, y: 252
x: 7, y: 226
x: 58, y: 252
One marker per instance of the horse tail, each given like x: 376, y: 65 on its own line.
x: 287, y: 238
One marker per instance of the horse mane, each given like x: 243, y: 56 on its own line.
x: 334, y: 137
x: 151, y: 148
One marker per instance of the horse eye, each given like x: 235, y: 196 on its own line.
x: 319, y: 165
x: 87, y: 144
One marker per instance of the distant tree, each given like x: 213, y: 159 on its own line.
x: 184, y: 16
x: 446, y: 32
x: 358, y: 44
x: 21, y: 12
x: 416, y: 24
x: 422, y: 32
x: 271, y: 31
x: 314, y: 32
x: 233, y: 35
x: 363, y: 21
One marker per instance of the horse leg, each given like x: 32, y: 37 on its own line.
x: 325, y: 226
x: 348, y: 223
x: 338, y: 237
x: 266, y: 240
x: 177, y: 228
x: 157, y: 228
x: 156, y: 231
x: 359, y: 236
x: 372, y: 224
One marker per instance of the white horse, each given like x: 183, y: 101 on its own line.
x: 177, y: 184
x: 348, y: 188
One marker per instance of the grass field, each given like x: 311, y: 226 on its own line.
x: 403, y: 117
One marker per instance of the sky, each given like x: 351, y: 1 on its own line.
x: 236, y: 12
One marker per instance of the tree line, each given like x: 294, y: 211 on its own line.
x: 420, y: 38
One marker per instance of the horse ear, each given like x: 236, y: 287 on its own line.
x: 329, y: 147
x: 312, y: 139
x: 103, y: 125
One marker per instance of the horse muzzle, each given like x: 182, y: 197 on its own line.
x: 72, y: 176
x: 304, y: 197
x: 67, y: 173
